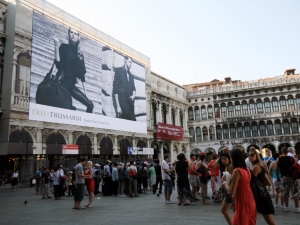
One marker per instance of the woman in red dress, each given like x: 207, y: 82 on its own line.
x: 245, y: 213
x: 90, y: 183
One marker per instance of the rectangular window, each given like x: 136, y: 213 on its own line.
x: 23, y: 81
x: 219, y: 134
x: 198, y: 134
x: 224, y: 111
x: 267, y: 107
x: 282, y: 105
x: 230, y: 110
x: 286, y: 128
x: 191, y: 116
x: 275, y: 106
x: 210, y: 113
x: 252, y: 109
x: 237, y: 110
x: 217, y: 112
x: 298, y: 103
x: 247, y: 131
x: 232, y: 132
x: 225, y: 133
x: 260, y: 108
x: 291, y: 104
x: 240, y: 132
x: 245, y: 109
x: 295, y: 129
x: 278, y: 129
x: 270, y: 129
x: 254, y: 131
x: 197, y: 114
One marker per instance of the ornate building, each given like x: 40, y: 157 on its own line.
x: 262, y: 113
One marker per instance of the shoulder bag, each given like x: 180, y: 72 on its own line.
x: 258, y: 190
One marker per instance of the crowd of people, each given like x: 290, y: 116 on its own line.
x: 231, y: 172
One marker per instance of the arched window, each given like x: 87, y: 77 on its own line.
x: 23, y: 75
x: 298, y: 101
x: 203, y: 112
x: 232, y: 131
x: 267, y: 105
x: 198, y: 134
x: 154, y: 112
x: 294, y: 125
x: 270, y: 128
x: 225, y: 131
x: 237, y: 108
x: 291, y: 104
x: 173, y: 116
x: 219, y: 132
x: 84, y: 145
x: 278, y: 129
x: 211, y: 133
x: 106, y: 146
x: 252, y: 107
x: 286, y: 126
x: 240, y: 130
x: 205, y: 133
x: 217, y: 110
x: 259, y: 105
x: 245, y: 107
x: 262, y: 128
x: 224, y: 110
x: 282, y: 104
x: 197, y: 113
x: 230, y: 109
x: 192, y: 134
x: 247, y: 129
x: 181, y: 118
x: 191, y: 115
x: 210, y: 112
x: 275, y: 104
x: 254, y: 129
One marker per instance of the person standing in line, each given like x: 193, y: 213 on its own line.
x: 45, y: 184
x: 193, y: 175
x: 70, y: 184
x: 159, y: 181
x: 126, y: 179
x: 58, y: 187
x: 115, y: 179
x: 106, y: 188
x: 14, y: 180
x: 96, y: 177
x: 152, y: 178
x: 166, y: 176
x: 288, y: 183
x: 264, y: 205
x: 132, y: 172
x: 79, y: 179
x: 245, y: 213
x: 121, y: 174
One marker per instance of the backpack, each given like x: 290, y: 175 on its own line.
x: 258, y: 190
x: 294, y: 171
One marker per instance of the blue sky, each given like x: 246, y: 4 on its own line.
x: 198, y: 41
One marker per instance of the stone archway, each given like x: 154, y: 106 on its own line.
x: 268, y: 147
x: 209, y: 152
x: 84, y: 145
x: 196, y: 151
x: 54, y: 143
x: 106, y: 146
x: 20, y: 142
x: 252, y: 145
x: 280, y: 146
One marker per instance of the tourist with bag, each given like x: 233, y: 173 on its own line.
x: 132, y: 172
x: 264, y: 203
x: 57, y: 183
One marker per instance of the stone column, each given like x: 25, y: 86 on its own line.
x: 39, y: 141
x: 161, y: 151
x: 133, y: 142
x: 71, y: 137
x: 95, y: 151
x: 116, y: 147
x: 185, y: 116
x: 159, y: 116
x: 177, y: 114
x: 169, y: 120
x: 13, y: 83
x: 171, y: 152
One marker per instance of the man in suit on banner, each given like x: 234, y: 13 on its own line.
x: 124, y: 91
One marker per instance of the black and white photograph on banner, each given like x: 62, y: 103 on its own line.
x: 66, y: 63
x: 123, y: 88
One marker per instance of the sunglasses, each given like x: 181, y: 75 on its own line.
x: 251, y: 154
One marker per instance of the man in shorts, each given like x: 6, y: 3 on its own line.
x: 166, y: 176
x: 79, y: 180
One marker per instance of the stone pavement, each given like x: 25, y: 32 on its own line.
x: 146, y: 209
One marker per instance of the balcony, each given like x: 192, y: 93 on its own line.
x: 19, y: 101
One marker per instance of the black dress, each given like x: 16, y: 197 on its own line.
x: 264, y: 205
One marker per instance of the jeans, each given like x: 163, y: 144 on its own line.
x: 168, y: 187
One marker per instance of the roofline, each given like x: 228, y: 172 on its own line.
x: 178, y: 85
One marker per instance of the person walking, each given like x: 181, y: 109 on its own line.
x: 159, y: 180
x: 14, y: 180
x: 152, y: 176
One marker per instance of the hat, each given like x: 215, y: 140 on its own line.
x: 127, y: 164
x: 108, y: 161
x: 145, y: 163
x: 70, y: 172
x: 97, y: 164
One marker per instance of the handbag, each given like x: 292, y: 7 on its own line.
x: 50, y: 92
x: 258, y: 190
x: 133, y: 176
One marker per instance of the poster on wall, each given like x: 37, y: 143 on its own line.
x: 169, y: 132
x: 78, y: 81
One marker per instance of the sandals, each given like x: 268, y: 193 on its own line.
x: 81, y: 208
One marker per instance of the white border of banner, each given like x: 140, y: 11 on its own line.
x: 58, y: 115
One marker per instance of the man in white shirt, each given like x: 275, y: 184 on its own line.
x: 166, y: 176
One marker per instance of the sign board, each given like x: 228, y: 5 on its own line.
x: 140, y: 151
x: 70, y: 149
x: 169, y: 132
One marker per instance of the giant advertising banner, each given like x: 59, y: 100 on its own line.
x: 78, y: 81
x: 169, y: 132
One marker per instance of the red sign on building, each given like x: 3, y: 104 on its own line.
x: 169, y: 132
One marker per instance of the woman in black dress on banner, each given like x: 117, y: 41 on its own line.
x: 69, y: 61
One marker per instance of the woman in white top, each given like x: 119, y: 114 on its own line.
x: 14, y: 180
x: 56, y: 183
